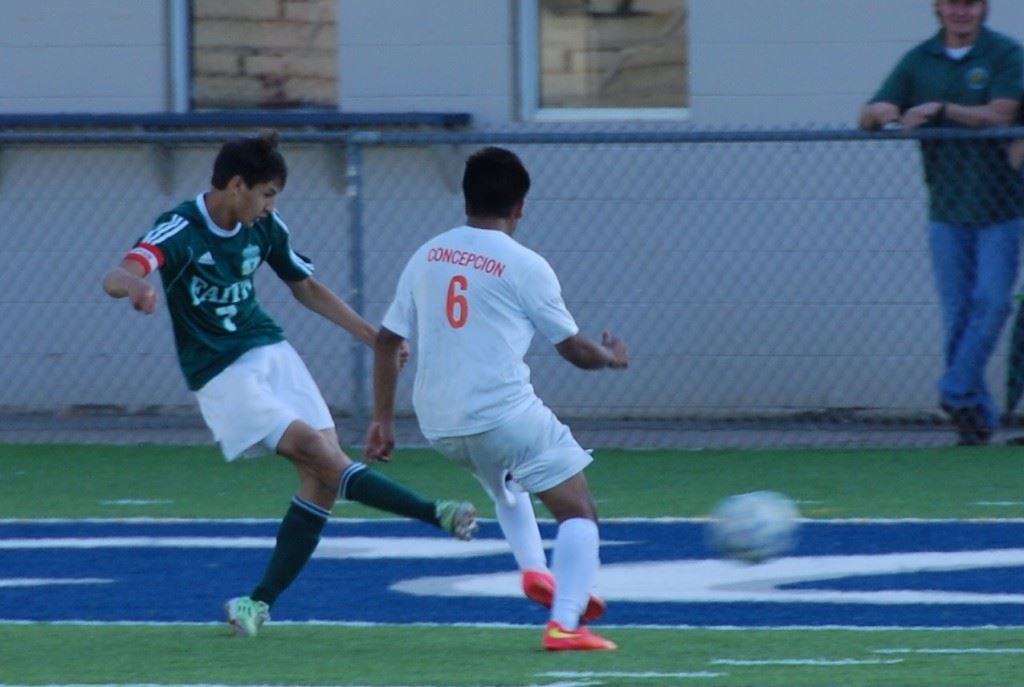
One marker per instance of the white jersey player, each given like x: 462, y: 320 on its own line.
x: 473, y: 298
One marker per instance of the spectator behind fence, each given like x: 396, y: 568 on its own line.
x: 966, y: 76
x: 251, y: 385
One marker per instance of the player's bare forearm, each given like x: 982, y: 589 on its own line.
x: 115, y: 283
x: 386, y: 368
x: 127, y: 281
x: 590, y: 355
x: 118, y: 281
x: 380, y: 438
x: 324, y: 302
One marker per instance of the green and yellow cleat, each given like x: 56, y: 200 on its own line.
x: 457, y: 517
x: 246, y: 616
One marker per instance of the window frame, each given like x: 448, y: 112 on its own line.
x: 528, y: 49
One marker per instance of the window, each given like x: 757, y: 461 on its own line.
x: 594, y: 59
x: 268, y: 54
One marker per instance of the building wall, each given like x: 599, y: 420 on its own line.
x: 805, y: 62
x: 752, y: 62
x: 450, y: 56
x: 83, y: 56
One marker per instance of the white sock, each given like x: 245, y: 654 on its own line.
x: 519, y: 524
x: 574, y: 563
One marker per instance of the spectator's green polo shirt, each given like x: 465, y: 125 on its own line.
x: 969, y: 182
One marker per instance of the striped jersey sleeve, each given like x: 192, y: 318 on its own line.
x: 288, y: 264
x: 149, y: 251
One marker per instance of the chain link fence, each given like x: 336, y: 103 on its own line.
x: 774, y: 288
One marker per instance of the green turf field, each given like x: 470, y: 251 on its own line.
x: 475, y: 657
x: 71, y: 481
x: 163, y: 482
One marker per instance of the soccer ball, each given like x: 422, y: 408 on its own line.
x: 754, y: 527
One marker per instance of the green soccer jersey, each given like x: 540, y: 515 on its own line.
x: 969, y: 182
x: 207, y: 276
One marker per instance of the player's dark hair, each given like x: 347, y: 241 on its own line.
x: 494, y: 183
x: 254, y: 158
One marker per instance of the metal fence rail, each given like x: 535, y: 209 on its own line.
x: 774, y: 286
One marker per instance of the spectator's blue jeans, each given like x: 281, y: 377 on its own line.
x: 975, y: 272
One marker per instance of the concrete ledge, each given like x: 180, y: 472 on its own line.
x: 235, y: 118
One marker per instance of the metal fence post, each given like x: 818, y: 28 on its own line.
x: 354, y: 191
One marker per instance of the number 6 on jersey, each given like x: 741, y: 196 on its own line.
x: 456, y: 305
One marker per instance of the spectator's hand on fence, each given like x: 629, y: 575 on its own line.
x: 874, y: 116
x: 919, y: 115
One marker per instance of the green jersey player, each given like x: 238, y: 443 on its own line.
x: 251, y: 386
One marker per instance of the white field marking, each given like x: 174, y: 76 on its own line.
x: 826, y: 662
x: 646, y: 675
x: 680, y: 580
x: 330, y: 547
x: 49, y: 581
x: 999, y: 504
x: 529, y: 626
x: 134, y: 502
x: 718, y: 581
x: 965, y: 650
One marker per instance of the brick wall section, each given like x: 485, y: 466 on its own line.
x: 264, y: 53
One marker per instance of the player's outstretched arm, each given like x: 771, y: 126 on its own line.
x: 324, y: 302
x: 590, y: 355
x: 127, y: 280
x: 380, y: 438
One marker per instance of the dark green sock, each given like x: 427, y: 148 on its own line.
x: 296, y: 540
x: 366, y: 486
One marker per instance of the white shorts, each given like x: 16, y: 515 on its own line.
x: 534, y: 448
x: 255, y: 399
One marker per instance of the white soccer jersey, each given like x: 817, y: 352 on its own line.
x: 475, y: 296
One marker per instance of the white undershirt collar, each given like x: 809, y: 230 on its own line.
x: 958, y: 53
x: 210, y: 224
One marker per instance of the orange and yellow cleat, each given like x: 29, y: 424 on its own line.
x: 557, y: 638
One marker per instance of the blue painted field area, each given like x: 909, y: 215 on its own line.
x: 882, y: 574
